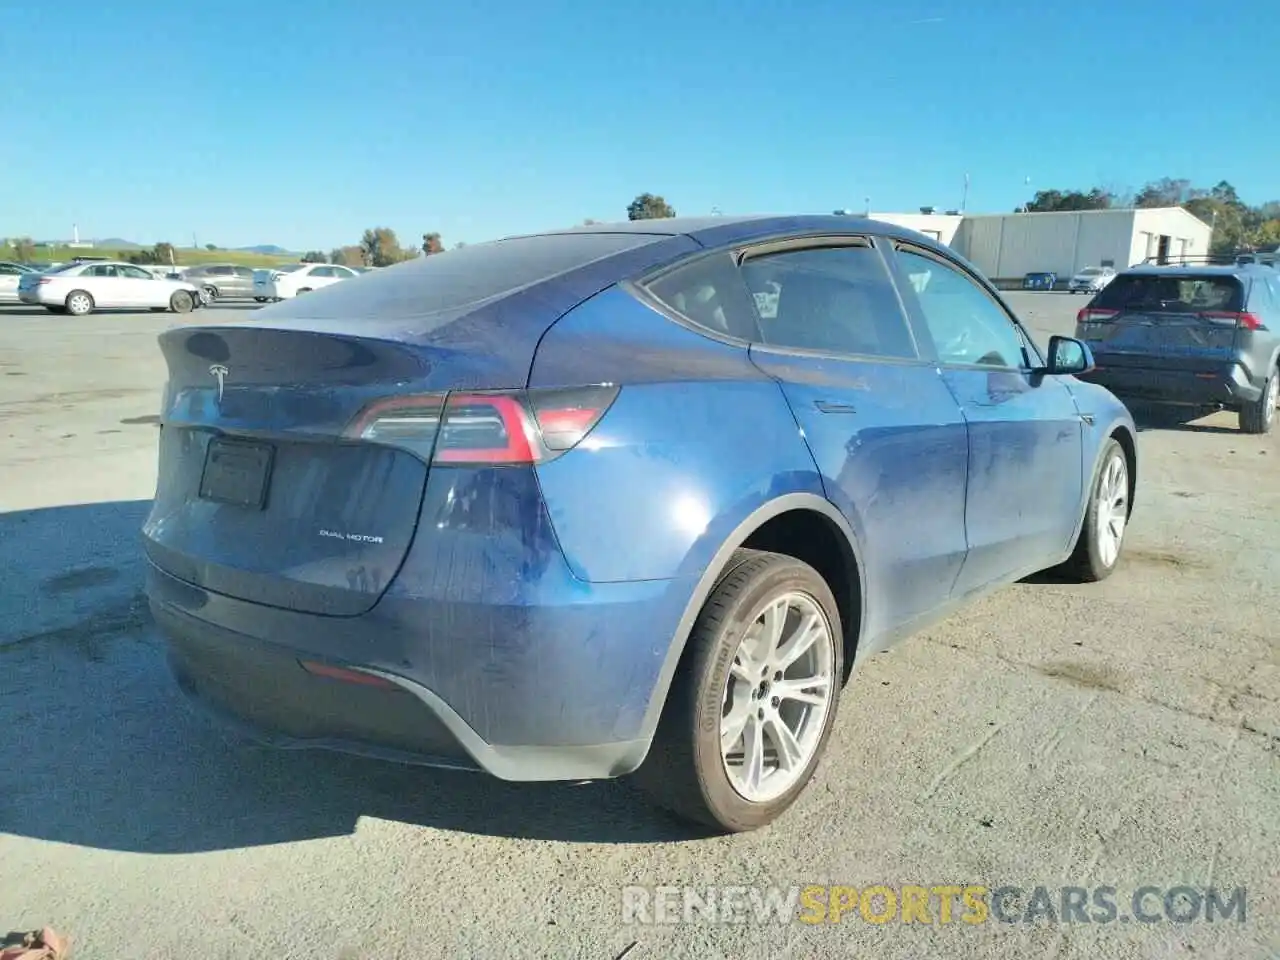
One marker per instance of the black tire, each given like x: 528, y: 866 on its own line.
x: 79, y: 303
x: 1087, y: 563
x: 181, y: 302
x: 261, y: 299
x: 1259, y: 417
x: 684, y: 771
x: 303, y: 290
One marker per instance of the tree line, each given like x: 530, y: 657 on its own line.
x: 1237, y: 226
x: 380, y: 247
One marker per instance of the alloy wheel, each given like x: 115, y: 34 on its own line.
x: 777, y: 697
x: 1113, y: 509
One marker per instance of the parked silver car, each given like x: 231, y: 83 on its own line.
x: 80, y: 288
x: 221, y: 281
x: 1091, y: 279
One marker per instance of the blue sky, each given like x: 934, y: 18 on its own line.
x: 302, y: 124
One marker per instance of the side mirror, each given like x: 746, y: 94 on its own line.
x: 1068, y: 355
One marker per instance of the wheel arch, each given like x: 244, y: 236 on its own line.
x: 768, y: 525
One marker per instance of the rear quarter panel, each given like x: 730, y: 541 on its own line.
x: 697, y: 440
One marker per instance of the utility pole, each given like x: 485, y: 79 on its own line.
x: 964, y: 199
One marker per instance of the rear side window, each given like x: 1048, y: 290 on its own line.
x: 708, y: 292
x: 1171, y: 293
x: 830, y: 299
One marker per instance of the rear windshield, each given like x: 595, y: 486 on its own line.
x: 1172, y: 293
x: 443, y: 283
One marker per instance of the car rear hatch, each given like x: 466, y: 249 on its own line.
x: 1166, y: 321
x: 294, y: 453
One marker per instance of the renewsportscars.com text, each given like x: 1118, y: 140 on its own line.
x: 936, y: 904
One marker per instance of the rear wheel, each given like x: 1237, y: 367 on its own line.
x: 79, y: 303
x: 1106, y: 520
x: 181, y: 302
x: 751, y: 708
x: 1260, y: 416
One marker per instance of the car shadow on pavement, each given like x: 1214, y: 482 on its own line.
x: 100, y: 750
x: 1175, y: 419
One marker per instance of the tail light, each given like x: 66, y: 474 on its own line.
x: 1244, y: 320
x: 486, y: 427
x: 1095, y: 315
x: 43, y: 280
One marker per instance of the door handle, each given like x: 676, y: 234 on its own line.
x: 834, y: 406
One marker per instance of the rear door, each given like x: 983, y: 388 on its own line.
x: 887, y: 436
x: 1181, y: 320
x: 1026, y: 466
x: 107, y: 287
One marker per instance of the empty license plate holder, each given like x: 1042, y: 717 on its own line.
x: 237, y: 472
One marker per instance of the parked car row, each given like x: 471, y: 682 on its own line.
x: 81, y: 287
x: 88, y: 283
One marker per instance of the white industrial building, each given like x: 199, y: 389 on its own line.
x: 1008, y: 246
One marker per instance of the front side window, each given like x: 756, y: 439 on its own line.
x: 968, y: 327
x: 831, y: 300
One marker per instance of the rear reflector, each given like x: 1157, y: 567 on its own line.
x: 486, y: 427
x: 346, y: 676
x: 1095, y: 315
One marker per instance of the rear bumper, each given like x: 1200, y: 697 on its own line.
x: 1227, y: 384
x: 557, y: 691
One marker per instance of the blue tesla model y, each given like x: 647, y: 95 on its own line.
x: 628, y: 499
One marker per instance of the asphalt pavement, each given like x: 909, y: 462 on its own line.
x: 1054, y: 735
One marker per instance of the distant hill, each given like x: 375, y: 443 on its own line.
x: 115, y: 243
x: 268, y: 248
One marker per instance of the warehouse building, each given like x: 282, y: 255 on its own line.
x: 1006, y: 247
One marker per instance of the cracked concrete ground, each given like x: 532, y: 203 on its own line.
x: 1124, y: 733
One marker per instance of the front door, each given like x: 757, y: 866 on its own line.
x: 888, y: 437
x: 1025, y: 432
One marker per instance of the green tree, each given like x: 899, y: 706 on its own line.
x: 349, y: 256
x: 649, y: 206
x: 211, y: 246
x: 1053, y: 200
x: 314, y: 256
x: 143, y: 257
x: 24, y: 249
x: 164, y: 253
x: 1166, y: 192
x: 381, y: 247
x: 431, y: 243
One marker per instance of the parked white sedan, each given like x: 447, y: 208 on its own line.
x: 80, y: 288
x: 281, y: 283
x: 10, y: 274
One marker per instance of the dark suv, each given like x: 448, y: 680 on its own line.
x: 1203, y: 336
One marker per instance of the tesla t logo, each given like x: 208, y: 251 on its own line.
x: 220, y: 374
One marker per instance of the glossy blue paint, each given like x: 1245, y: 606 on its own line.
x: 891, y: 446
x: 539, y: 611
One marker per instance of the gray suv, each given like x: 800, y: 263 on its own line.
x: 221, y: 281
x: 1203, y: 336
